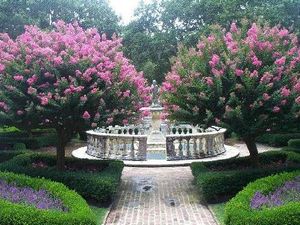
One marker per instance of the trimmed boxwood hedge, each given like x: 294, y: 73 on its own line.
x: 277, y: 140
x: 79, y: 213
x: 293, y: 145
x: 8, y: 155
x: 239, y: 212
x: 218, y: 186
x: 99, y: 186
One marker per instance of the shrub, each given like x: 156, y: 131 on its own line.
x: 99, y: 186
x: 8, y: 155
x: 78, y: 212
x: 19, y: 146
x: 277, y: 140
x: 220, y: 180
x: 239, y: 212
x: 294, y: 143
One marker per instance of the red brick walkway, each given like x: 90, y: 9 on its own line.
x: 158, y: 196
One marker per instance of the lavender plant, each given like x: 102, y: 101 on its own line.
x: 289, y: 192
x: 40, y: 199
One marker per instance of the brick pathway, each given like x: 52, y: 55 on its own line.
x: 158, y: 196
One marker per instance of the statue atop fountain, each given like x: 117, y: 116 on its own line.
x: 155, y: 95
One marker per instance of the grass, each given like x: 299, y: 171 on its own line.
x: 218, y: 210
x: 100, y: 214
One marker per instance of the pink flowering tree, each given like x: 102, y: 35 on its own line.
x: 67, y: 79
x: 247, y: 80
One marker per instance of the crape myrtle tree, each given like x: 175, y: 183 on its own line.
x: 65, y: 79
x: 247, y: 80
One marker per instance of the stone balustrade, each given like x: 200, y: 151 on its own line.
x: 187, y: 142
x: 124, y: 143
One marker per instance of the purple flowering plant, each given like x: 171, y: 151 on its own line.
x: 41, y: 199
x: 288, y: 192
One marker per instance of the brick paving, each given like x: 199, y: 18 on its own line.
x: 158, y: 196
x: 162, y: 196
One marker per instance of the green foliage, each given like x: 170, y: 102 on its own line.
x: 220, y: 180
x: 239, y: 212
x: 99, y: 186
x: 294, y: 143
x: 8, y: 155
x: 9, y: 140
x: 19, y: 146
x: 90, y: 13
x: 20, y: 214
x: 277, y: 140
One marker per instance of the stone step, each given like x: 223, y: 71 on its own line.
x: 156, y: 149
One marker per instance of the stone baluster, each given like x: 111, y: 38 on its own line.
x: 188, y: 151
x: 142, y: 150
x: 132, y: 154
x: 180, y: 148
x: 124, y: 153
x: 209, y: 145
x: 196, y: 154
x: 171, y: 154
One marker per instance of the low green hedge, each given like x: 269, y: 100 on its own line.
x: 44, y: 140
x: 239, y: 212
x: 79, y: 213
x: 8, y: 155
x: 99, y: 186
x: 218, y: 181
x: 277, y: 140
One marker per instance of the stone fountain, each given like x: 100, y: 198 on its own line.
x: 156, y: 142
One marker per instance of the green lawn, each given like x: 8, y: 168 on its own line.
x: 218, y: 210
x: 100, y: 214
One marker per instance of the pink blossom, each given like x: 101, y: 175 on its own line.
x: 2, y: 68
x: 276, y: 109
x: 126, y: 93
x: 254, y: 74
x: 109, y: 120
x: 285, y: 92
x: 256, y: 61
x: 211, y: 38
x: 239, y: 72
x: 201, y: 45
x: 266, y: 97
x: 4, y: 106
x: 86, y: 115
x: 233, y: 28
x: 44, y: 101
x: 283, y: 33
x: 297, y: 86
x: 32, y: 80
x: 20, y: 112
x: 214, y: 60
x: 297, y: 100
x: 125, y: 122
x: 18, y: 77
x: 31, y: 90
x: 94, y: 125
x: 283, y: 102
x: 209, y: 81
x: 281, y: 61
x: 83, y: 98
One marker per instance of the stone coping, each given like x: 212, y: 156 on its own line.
x: 231, y: 152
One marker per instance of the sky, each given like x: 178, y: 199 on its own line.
x: 125, y: 8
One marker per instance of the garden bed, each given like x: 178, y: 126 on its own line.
x: 55, y: 203
x: 93, y: 179
x: 218, y: 181
x: 243, y: 208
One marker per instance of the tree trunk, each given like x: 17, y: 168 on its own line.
x: 60, y: 149
x: 251, y: 145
